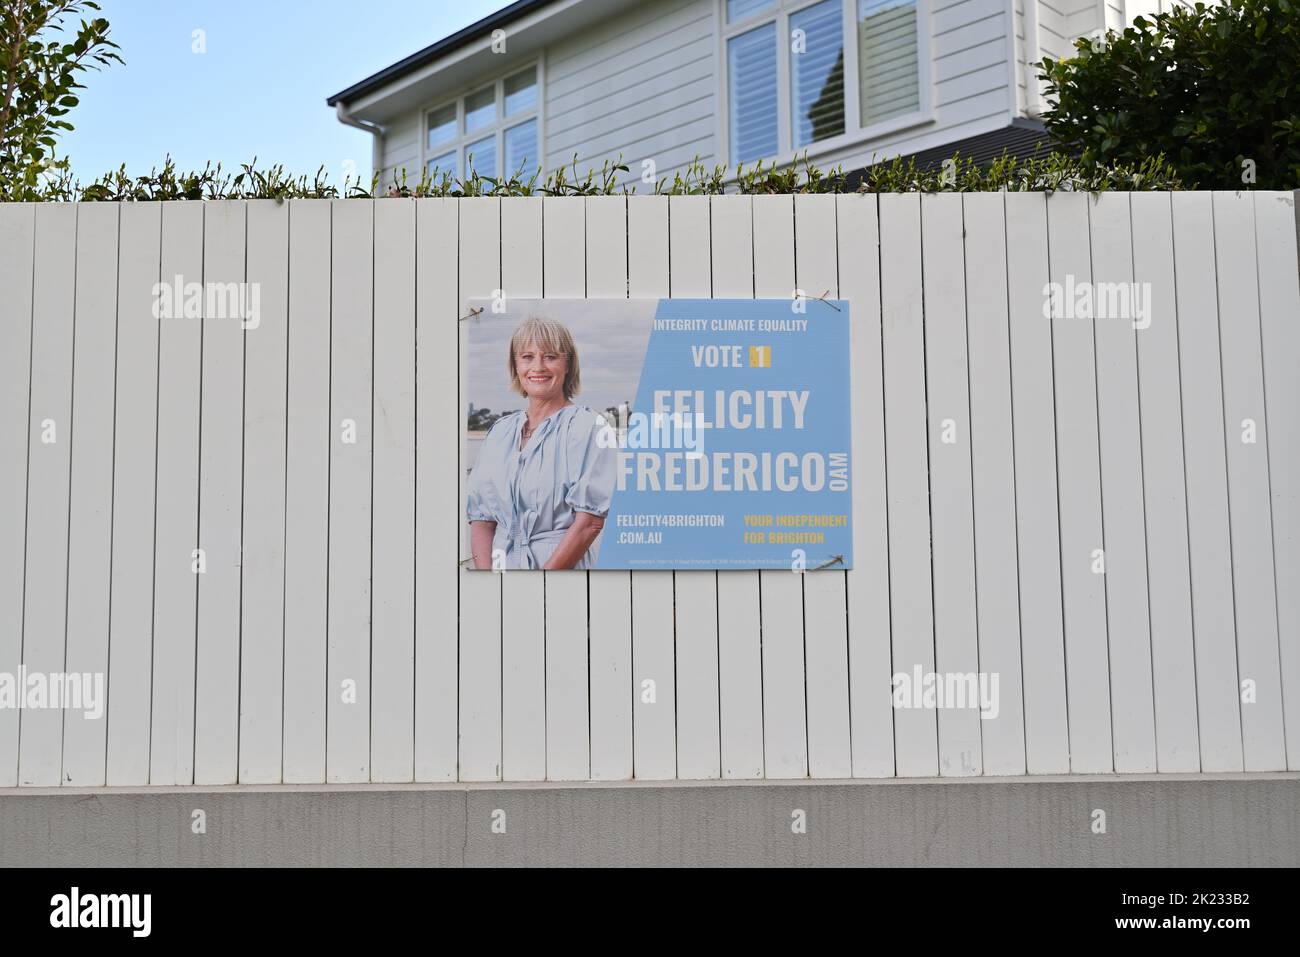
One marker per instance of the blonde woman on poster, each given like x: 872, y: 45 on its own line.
x: 542, y: 482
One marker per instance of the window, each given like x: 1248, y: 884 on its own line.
x: 751, y: 69
x: 800, y: 72
x: 520, y: 146
x: 888, y: 74
x: 492, y: 130
x: 817, y: 72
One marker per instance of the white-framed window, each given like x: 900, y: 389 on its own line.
x: 800, y: 74
x: 494, y: 129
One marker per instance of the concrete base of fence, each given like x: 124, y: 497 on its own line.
x: 1172, y: 821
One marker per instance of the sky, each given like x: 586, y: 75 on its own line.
x: 258, y: 90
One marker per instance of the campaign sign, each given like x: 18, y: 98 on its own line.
x: 658, y: 434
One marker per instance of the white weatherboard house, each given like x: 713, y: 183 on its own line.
x: 849, y: 82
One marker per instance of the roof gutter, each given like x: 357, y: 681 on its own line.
x: 461, y: 38
x: 374, y: 129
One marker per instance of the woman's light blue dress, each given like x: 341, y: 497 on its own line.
x: 534, y: 495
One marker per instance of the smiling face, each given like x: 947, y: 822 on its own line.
x: 541, y: 372
x: 543, y: 361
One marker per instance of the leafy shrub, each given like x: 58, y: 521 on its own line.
x: 1052, y: 171
x: 1214, y: 90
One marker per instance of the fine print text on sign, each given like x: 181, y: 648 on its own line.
x: 658, y: 433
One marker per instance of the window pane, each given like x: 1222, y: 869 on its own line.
x: 482, y: 156
x: 521, y: 92
x: 442, y: 125
x: 446, y: 163
x: 751, y: 73
x: 739, y: 9
x: 521, y: 149
x: 480, y: 109
x: 889, y: 77
x: 817, y: 72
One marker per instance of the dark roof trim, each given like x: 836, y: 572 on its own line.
x: 455, y: 41
x: 1023, y: 138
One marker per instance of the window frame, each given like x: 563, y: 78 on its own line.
x: 496, y: 129
x: 854, y: 132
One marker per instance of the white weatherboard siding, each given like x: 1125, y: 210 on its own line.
x: 1053, y: 29
x: 642, y: 85
x: 1115, y: 15
x: 645, y: 86
x: 1170, y: 449
x: 401, y: 150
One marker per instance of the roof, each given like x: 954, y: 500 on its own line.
x: 1022, y: 139
x: 495, y: 21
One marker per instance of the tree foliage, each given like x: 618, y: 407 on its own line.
x: 41, y: 57
x: 1215, y: 90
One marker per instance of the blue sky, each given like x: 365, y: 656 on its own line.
x: 259, y: 89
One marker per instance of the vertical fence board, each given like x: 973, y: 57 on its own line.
x: 131, y: 624
x: 1165, y: 492
x: 686, y: 274
x: 347, y: 690
x: 654, y: 746
x: 611, y: 676
x: 17, y: 235
x: 392, y: 718
x: 993, y: 484
x: 1209, y: 544
x: 523, y: 636
x: 1047, y: 746
x: 438, y: 527
x: 956, y: 645
x: 911, y: 598
x: 90, y: 509
x: 221, y: 439
x: 610, y: 605
x: 698, y: 748
x: 523, y: 596
x: 50, y: 435
x: 781, y: 605
x: 1083, y: 586
x: 613, y: 618
x: 262, y: 651
x: 1249, y: 500
x: 168, y: 742
x: 1279, y: 307
x: 825, y: 625
x: 867, y: 583
x: 309, y: 434
x: 480, y: 593
x: 740, y: 662
x: 568, y: 732
x: 1124, y: 529
x: 631, y: 619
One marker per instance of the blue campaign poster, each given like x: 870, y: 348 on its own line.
x: 659, y: 434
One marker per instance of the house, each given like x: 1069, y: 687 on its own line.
x: 660, y: 82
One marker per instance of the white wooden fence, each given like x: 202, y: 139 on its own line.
x: 333, y: 566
